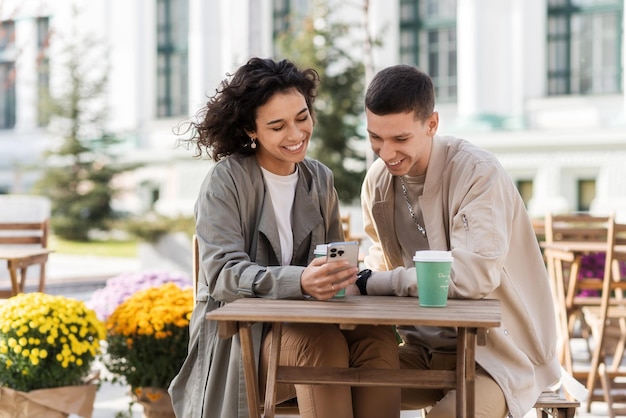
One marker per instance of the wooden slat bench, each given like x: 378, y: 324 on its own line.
x: 554, y: 404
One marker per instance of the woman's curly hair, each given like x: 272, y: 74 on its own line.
x: 221, y: 125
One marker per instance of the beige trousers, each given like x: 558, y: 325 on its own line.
x: 326, y: 345
x: 490, y: 402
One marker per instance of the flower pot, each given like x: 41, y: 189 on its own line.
x: 156, y: 402
x: 50, y: 403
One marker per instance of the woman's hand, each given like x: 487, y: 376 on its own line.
x: 323, y: 280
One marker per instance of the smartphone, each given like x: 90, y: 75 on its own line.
x: 338, y: 251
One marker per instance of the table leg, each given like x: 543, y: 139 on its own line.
x: 15, y: 284
x: 42, y: 277
x: 22, y: 279
x: 470, y: 370
x: 272, y: 368
x: 250, y: 370
x: 461, y: 370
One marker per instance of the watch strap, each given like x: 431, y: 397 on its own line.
x: 361, y: 281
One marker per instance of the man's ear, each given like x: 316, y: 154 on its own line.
x: 433, y: 123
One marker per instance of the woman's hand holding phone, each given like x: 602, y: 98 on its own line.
x: 324, y: 277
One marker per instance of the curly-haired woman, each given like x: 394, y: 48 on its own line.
x: 261, y: 211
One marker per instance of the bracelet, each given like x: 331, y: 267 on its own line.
x: 361, y: 281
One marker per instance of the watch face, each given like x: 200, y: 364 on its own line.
x: 364, y: 274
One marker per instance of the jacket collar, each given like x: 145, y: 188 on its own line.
x: 432, y: 203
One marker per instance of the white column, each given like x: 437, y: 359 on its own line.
x: 260, y: 27
x: 548, y: 192
x: 531, y: 38
x: 144, y: 65
x: 490, y: 84
x: 204, y: 51
x: 467, y: 58
x: 620, y: 119
x: 26, y: 84
x: 623, y: 118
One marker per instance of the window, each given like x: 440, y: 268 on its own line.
x: 7, y: 36
x: 172, y: 64
x: 7, y: 74
x: 428, y: 40
x: 280, y: 17
x: 525, y: 188
x: 584, y: 46
x: 43, y: 65
x: 586, y: 192
x: 288, y: 15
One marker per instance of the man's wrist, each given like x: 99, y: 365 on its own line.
x: 361, y: 281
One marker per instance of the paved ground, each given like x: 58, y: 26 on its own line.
x: 80, y: 276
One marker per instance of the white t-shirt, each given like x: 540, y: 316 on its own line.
x: 282, y: 190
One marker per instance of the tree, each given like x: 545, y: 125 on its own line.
x: 324, y: 43
x: 79, y: 167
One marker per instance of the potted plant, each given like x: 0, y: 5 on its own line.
x: 47, y: 346
x: 119, y: 288
x: 147, y: 337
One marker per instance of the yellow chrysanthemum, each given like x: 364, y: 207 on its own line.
x: 30, y: 348
x: 149, y: 327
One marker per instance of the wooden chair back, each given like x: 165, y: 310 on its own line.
x: 195, y: 255
x: 346, y: 222
x: 539, y: 226
x: 23, y: 244
x: 580, y: 226
x: 576, y: 227
x: 24, y: 233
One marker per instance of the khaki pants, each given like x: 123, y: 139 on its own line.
x: 326, y: 345
x: 490, y: 402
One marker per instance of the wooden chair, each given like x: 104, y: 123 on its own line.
x: 347, y: 229
x: 289, y: 407
x: 539, y: 226
x: 24, y: 244
x: 564, y: 263
x: 608, y: 321
x: 555, y: 404
x: 195, y: 258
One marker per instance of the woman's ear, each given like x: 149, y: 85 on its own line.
x: 251, y: 134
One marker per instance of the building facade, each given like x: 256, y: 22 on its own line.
x: 538, y: 82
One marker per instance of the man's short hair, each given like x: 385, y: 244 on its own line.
x: 401, y: 89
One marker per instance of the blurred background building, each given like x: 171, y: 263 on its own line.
x: 538, y: 82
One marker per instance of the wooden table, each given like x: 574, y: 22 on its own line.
x: 18, y: 259
x: 470, y: 317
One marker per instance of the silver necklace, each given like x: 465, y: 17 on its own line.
x: 408, y: 205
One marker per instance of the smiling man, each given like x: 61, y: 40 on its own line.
x: 443, y: 193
